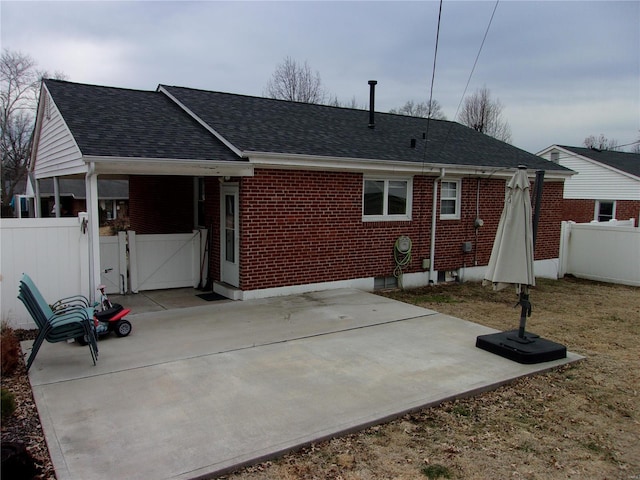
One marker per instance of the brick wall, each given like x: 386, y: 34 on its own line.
x: 306, y: 227
x: 548, y: 241
x: 578, y: 210
x: 582, y: 211
x: 299, y: 227
x: 626, y: 209
x: 161, y: 204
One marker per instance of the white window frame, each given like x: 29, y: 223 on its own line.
x: 596, y: 211
x: 385, y: 217
x: 456, y: 214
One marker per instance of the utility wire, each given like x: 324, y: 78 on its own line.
x: 446, y: 139
x: 477, y: 57
x: 433, y: 76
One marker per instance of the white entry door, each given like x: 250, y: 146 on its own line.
x: 229, y: 235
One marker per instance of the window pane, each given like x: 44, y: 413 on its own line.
x: 397, y: 204
x: 373, y: 197
x: 448, y: 207
x: 605, y: 212
x: 448, y: 190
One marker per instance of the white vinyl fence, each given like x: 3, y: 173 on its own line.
x: 52, y: 251
x: 606, y: 252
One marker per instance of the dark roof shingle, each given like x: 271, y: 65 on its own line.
x: 107, y: 121
x: 268, y: 125
x: 624, y: 161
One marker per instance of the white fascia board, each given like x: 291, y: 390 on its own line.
x: 168, y: 166
x: 309, y: 162
x: 55, y: 171
x: 214, y: 132
x: 548, y: 149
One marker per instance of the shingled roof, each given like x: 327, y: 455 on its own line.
x: 177, y: 123
x: 623, y: 161
x: 267, y: 125
x: 117, y: 122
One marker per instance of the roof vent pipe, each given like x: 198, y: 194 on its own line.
x: 413, y: 143
x: 372, y: 101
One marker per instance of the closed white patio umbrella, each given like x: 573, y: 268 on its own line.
x: 511, y: 261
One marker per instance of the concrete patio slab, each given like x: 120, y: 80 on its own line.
x: 194, y: 392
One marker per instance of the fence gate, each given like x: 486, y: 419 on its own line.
x: 114, y: 263
x: 132, y: 262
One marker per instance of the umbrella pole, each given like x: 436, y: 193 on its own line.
x: 525, y: 310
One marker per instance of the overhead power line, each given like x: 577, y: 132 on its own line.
x: 495, y: 7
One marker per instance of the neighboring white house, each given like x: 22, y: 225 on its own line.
x: 606, y: 187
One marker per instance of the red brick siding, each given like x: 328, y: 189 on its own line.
x: 582, y: 211
x: 450, y: 234
x: 306, y: 227
x: 578, y: 210
x: 626, y: 209
x: 548, y: 241
x: 161, y: 204
x: 300, y: 227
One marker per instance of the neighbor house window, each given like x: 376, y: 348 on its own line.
x: 605, y: 210
x: 386, y: 199
x: 450, y: 199
x: 555, y: 156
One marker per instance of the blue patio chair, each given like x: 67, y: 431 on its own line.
x: 70, y: 320
x: 58, y: 326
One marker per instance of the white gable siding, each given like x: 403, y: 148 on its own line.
x: 57, y: 152
x: 595, y: 181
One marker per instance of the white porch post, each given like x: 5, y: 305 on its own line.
x: 91, y: 185
x: 56, y: 196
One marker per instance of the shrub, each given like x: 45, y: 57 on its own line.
x: 8, y: 402
x: 435, y: 471
x: 9, y: 350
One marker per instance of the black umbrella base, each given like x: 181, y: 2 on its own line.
x: 529, y: 349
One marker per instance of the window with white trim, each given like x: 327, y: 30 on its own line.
x: 450, y: 200
x: 386, y: 199
x: 605, y: 210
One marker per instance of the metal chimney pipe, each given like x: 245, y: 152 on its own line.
x: 372, y: 101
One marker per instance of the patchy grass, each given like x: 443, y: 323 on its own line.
x: 581, y: 421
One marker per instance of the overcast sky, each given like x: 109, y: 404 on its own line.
x: 562, y: 70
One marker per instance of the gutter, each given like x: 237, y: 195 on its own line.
x: 434, y: 217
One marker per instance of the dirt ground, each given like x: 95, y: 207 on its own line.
x: 577, y: 422
x: 581, y: 421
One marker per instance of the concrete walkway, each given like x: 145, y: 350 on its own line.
x: 197, y: 391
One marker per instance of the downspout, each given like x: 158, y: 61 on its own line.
x: 434, y: 217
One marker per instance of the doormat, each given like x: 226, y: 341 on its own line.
x: 211, y: 296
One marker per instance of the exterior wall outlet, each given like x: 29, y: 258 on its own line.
x: 426, y: 263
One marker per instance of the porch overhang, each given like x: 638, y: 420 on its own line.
x: 167, y: 166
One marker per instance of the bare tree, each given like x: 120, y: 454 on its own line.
x: 635, y: 146
x: 296, y: 82
x: 19, y: 90
x: 421, y: 109
x: 600, y: 143
x: 484, y: 115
